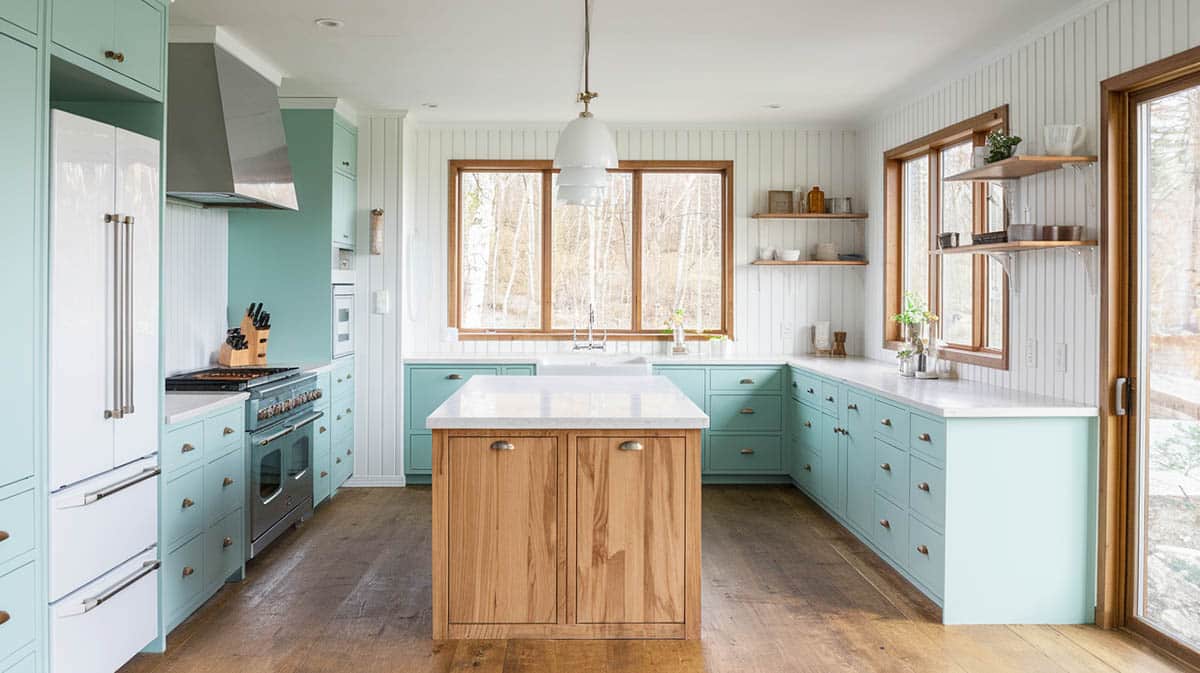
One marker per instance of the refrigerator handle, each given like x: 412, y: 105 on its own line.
x: 115, y: 412
x: 127, y: 361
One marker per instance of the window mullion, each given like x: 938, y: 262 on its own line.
x: 935, y: 228
x: 547, y: 247
x: 635, y: 296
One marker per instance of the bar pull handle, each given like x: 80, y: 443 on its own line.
x: 496, y: 446
x: 1122, y: 399
x: 630, y: 446
x: 147, y: 568
x: 746, y: 411
x: 453, y: 377
x: 747, y: 452
x: 747, y: 382
x: 148, y: 473
x: 127, y: 406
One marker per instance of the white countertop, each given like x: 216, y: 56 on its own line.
x: 568, y: 403
x: 180, y: 407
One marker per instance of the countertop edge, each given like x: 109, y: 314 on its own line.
x: 202, y: 407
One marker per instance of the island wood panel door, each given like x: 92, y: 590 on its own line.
x: 503, y: 530
x: 630, y: 496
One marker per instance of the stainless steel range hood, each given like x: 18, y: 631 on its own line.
x: 225, y: 139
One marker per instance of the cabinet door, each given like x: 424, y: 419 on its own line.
x: 827, y: 446
x: 86, y: 27
x: 82, y: 295
x: 23, y: 13
x: 630, y: 529
x: 345, y: 150
x: 504, y: 534
x: 344, y: 208
x: 18, y: 253
x: 139, y: 37
x: 860, y: 478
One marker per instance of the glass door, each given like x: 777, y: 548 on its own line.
x: 1165, y: 326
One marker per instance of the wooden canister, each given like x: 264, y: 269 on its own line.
x: 816, y: 200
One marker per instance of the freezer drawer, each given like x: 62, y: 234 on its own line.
x: 101, y: 626
x: 98, y: 524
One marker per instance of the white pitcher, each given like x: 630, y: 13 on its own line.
x: 1062, y: 139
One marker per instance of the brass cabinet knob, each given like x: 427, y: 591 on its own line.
x: 923, y: 486
x: 502, y: 446
x: 188, y: 570
x: 348, y: 452
x: 453, y: 377
x: 631, y: 446
x: 885, y: 523
x: 810, y: 391
x: 747, y: 382
x: 852, y: 407
x: 339, y: 380
x: 227, y: 431
x: 114, y: 56
x: 338, y: 459
x: 923, y: 549
x: 808, y: 424
x: 829, y: 398
x: 924, y: 437
x: 886, y: 422
x: 338, y: 417
x: 321, y: 429
x: 886, y: 467
x: 795, y: 385
x: 746, y: 410
x: 186, y: 448
x: 808, y: 467
x: 349, y: 376
x: 3, y: 535
x: 227, y: 481
x: 349, y: 411
x: 4, y: 616
x: 188, y: 502
x: 747, y: 452
x: 227, y: 542
x: 324, y: 473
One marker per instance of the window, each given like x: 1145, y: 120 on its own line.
x: 968, y: 292
x: 523, y: 266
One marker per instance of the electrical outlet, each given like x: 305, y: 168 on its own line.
x: 1031, y: 353
x: 1060, y: 357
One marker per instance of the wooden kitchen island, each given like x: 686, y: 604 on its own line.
x: 566, y: 507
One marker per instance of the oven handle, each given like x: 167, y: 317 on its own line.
x: 308, y: 420
x: 286, y: 431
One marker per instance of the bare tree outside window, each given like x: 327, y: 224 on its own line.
x: 592, y: 259
x: 681, y: 249
x: 501, y: 250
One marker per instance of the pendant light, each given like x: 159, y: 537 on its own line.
x: 585, y: 148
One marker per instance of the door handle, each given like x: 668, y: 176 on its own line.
x: 117, y: 370
x: 286, y: 431
x: 148, y: 473
x: 1121, y: 396
x: 127, y: 406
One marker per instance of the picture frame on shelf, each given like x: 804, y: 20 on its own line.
x: 780, y: 202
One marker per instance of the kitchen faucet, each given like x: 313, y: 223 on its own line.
x: 591, y: 344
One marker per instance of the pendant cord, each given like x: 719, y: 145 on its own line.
x: 587, y: 95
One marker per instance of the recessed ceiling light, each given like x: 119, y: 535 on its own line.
x: 429, y: 106
x: 773, y: 106
x: 329, y: 23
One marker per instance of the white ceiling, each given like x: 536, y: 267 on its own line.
x: 666, y: 61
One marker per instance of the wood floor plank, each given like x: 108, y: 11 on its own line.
x: 785, y: 589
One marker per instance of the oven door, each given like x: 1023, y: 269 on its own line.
x: 280, y: 471
x: 343, y: 320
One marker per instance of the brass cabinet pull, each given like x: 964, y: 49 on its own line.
x: 747, y: 382
x: 114, y: 56
x: 631, y: 446
x: 808, y: 424
x: 886, y: 421
x: 321, y: 428
x: 227, y: 481
x: 923, y: 486
x: 186, y: 448
x: 227, y: 431
x: 795, y: 385
x: 852, y: 406
x: 885, y: 523
x: 808, y: 467
x: 227, y: 542
x: 923, y: 549
x: 349, y: 376
x: 810, y: 391
x: 338, y: 417
x: 4, y: 616
x: 453, y: 377
x: 747, y: 452
x: 349, y: 410
x: 829, y: 398
x: 924, y: 437
x: 188, y: 502
x: 338, y: 459
x: 886, y: 467
x: 3, y: 535
x: 339, y: 380
x: 348, y: 452
x: 324, y: 473
x: 498, y: 446
x: 746, y: 410
x: 188, y: 570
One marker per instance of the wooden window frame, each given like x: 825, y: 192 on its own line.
x: 1117, y: 543
x: 972, y: 130
x: 638, y: 168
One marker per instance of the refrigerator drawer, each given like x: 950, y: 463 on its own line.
x: 98, y: 524
x: 101, y: 626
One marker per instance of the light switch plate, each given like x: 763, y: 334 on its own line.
x: 1060, y: 357
x: 381, y: 302
x: 1031, y: 353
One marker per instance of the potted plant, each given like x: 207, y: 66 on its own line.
x: 675, y: 326
x: 1001, y: 146
x: 914, y: 320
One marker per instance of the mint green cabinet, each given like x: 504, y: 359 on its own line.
x: 21, y: 13
x: 345, y: 148
x: 344, y: 209
x: 19, y: 589
x: 86, y: 27
x: 116, y: 37
x: 19, y: 248
x: 141, y: 39
x: 322, y: 460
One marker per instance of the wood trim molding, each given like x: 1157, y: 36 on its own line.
x: 952, y: 135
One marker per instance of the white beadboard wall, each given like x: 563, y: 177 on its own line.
x: 1051, y: 78
x: 767, y: 301
x: 195, y: 262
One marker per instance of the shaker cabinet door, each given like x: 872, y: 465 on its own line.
x: 630, y: 500
x: 503, y: 525
x: 140, y: 36
x: 345, y: 199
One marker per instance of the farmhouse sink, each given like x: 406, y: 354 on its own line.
x: 594, y: 365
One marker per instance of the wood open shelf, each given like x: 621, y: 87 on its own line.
x: 1011, y: 246
x: 809, y: 216
x: 1018, y: 167
x: 809, y: 262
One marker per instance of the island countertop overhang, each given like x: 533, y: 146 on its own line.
x: 567, y: 402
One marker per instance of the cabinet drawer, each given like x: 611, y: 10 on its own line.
x: 520, y: 370
x: 891, y: 472
x: 223, y: 548
x: 23, y: 13
x: 429, y: 387
x: 890, y: 531
x: 807, y: 468
x: 342, y: 468
x: 343, y: 417
x: 224, y: 431
x: 342, y: 380
x: 26, y: 665
x: 224, y: 486
x: 891, y: 422
x: 321, y: 472
x: 927, y: 495
x: 16, y: 526
x: 926, y: 555
x: 182, y: 445
x: 183, y: 506
x: 183, y: 575
x: 809, y: 420
x: 18, y: 599
x: 806, y: 388
x: 759, y: 455
x: 343, y: 445
x: 829, y: 396
x: 755, y: 379
x: 345, y: 149
x: 418, y: 453
x: 748, y: 413
x: 928, y: 437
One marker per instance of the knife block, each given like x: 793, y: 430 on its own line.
x: 255, y: 354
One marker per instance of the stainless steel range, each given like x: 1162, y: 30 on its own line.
x: 279, y: 444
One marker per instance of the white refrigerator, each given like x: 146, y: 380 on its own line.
x: 104, y: 389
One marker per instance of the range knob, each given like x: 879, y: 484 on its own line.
x: 317, y: 394
x: 263, y: 414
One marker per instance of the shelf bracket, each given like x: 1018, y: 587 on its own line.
x: 1008, y: 262
x: 1088, y: 258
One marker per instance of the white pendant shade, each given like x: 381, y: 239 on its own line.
x: 580, y: 195
x: 583, y: 177
x: 585, y: 143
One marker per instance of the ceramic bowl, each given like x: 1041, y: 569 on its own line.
x: 789, y: 255
x: 766, y: 254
